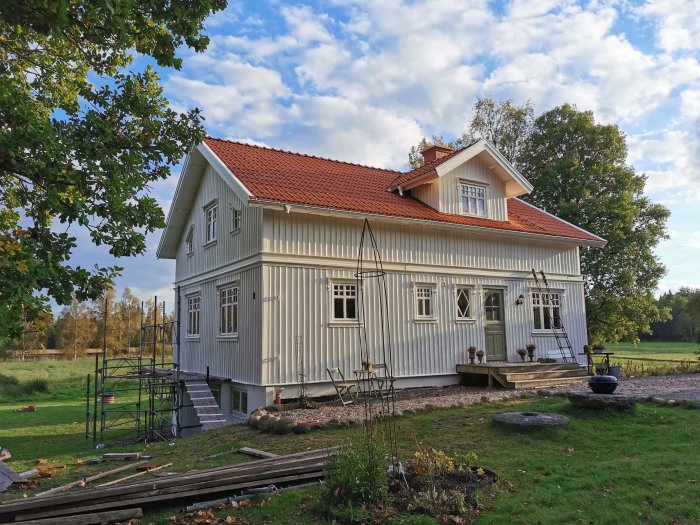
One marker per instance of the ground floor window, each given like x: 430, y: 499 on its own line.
x: 546, y: 310
x: 193, y: 308
x: 239, y: 401
x: 424, y: 302
x: 463, y: 303
x: 228, y: 310
x: 344, y: 302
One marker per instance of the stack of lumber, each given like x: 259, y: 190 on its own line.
x: 190, y: 486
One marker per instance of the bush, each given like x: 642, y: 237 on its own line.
x: 12, y: 388
x: 355, y: 479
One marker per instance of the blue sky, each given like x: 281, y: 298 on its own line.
x: 364, y: 80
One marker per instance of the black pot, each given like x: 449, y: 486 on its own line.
x: 603, y: 384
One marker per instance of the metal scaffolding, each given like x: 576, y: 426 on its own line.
x: 137, y: 397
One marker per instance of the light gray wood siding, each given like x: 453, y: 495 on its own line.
x: 298, y: 302
x: 332, y: 238
x: 238, y: 358
x: 229, y: 246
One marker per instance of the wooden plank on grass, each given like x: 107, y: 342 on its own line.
x: 118, y: 456
x: 257, y: 453
x: 90, y: 519
x: 114, y: 482
x: 79, y: 482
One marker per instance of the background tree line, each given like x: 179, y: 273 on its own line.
x: 683, y: 316
x: 80, y: 326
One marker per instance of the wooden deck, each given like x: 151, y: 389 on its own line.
x: 515, y: 376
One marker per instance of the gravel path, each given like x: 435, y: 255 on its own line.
x: 671, y: 387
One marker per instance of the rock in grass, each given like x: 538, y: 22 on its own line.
x: 266, y: 423
x: 600, y: 401
x: 302, y: 428
x: 284, y: 425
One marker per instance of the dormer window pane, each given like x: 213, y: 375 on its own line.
x: 473, y: 199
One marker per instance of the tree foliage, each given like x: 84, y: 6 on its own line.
x: 681, y: 323
x: 504, y: 124
x: 579, y: 173
x: 83, y: 134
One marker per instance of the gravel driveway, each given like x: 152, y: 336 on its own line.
x: 670, y: 387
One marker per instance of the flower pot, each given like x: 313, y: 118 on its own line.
x: 480, y: 355
x: 108, y: 398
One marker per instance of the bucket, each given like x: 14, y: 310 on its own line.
x: 615, y: 370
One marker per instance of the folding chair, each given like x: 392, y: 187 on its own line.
x: 384, y: 380
x: 342, y: 387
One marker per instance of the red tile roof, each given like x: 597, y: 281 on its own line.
x: 294, y: 178
x: 425, y: 169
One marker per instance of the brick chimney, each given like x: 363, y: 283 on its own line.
x: 435, y: 152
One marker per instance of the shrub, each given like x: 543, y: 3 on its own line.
x: 12, y: 388
x: 355, y: 479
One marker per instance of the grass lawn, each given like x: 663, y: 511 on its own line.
x: 605, y: 468
x: 663, y: 351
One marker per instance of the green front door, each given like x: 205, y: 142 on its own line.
x: 494, y: 325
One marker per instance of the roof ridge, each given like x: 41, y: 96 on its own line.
x: 268, y: 148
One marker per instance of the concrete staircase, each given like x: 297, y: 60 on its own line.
x: 516, y: 376
x: 205, y: 405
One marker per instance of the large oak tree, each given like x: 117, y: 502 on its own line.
x: 83, y: 133
x: 580, y: 173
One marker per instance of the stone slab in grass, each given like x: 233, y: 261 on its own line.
x: 602, y: 401
x: 530, y: 420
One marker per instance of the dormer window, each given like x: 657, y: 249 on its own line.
x: 473, y: 199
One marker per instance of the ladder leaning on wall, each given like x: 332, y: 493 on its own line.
x: 559, y: 331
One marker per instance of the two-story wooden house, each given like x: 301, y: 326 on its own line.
x: 266, y: 244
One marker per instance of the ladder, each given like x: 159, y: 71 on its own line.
x: 559, y: 332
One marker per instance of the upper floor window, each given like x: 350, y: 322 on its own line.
x: 424, y: 302
x: 193, y: 308
x: 236, y: 220
x: 189, y: 241
x: 463, y: 303
x: 546, y: 310
x: 344, y: 302
x: 473, y: 199
x: 228, y: 310
x: 210, y: 214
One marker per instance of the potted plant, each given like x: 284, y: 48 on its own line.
x: 472, y: 352
x: 367, y: 364
x: 522, y: 353
x: 598, y: 348
x: 531, y: 351
x: 480, y: 355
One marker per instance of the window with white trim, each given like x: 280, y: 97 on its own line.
x: 189, y: 241
x: 344, y: 302
x: 210, y: 214
x: 464, y: 307
x: 546, y: 311
x: 239, y: 401
x: 473, y: 199
x: 228, y: 310
x: 424, y: 302
x: 236, y: 220
x: 194, y: 303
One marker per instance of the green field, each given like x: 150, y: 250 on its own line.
x: 638, y: 467
x: 656, y: 358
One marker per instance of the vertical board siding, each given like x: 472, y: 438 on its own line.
x: 473, y: 171
x: 229, y: 246
x: 298, y: 302
x: 236, y: 359
x: 338, y: 238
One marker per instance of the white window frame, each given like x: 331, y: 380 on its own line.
x: 469, y: 291
x: 475, y: 193
x: 189, y: 241
x: 340, y: 286
x: 537, y: 302
x: 211, y: 219
x: 237, y: 406
x: 236, y: 218
x: 419, y: 292
x: 229, y: 300
x: 194, y: 315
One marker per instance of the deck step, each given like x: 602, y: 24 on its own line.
x: 205, y: 405
x: 534, y: 383
x: 545, y: 374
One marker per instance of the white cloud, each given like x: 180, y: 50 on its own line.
x: 677, y: 23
